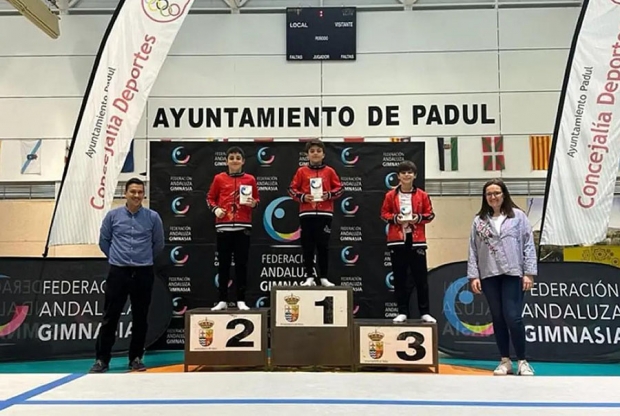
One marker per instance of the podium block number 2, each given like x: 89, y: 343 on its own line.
x: 222, y: 332
x: 312, y: 308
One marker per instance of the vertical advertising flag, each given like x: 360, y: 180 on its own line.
x: 131, y: 54
x: 586, y: 145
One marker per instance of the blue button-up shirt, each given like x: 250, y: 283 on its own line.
x: 131, y: 239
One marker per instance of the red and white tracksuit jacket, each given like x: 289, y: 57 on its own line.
x: 224, y: 194
x: 420, y: 204
x: 300, y: 187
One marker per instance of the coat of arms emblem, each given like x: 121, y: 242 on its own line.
x: 291, y: 310
x: 205, y: 335
x: 375, y: 346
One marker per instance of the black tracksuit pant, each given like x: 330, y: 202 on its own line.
x: 315, y: 235
x: 231, y: 243
x: 407, y: 258
x: 137, y: 283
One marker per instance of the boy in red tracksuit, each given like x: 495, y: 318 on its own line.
x: 315, y: 211
x: 407, y: 210
x: 232, y: 197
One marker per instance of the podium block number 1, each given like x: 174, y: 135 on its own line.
x: 312, y: 308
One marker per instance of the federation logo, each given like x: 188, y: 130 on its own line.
x: 375, y: 346
x: 348, y: 159
x: 177, y: 258
x: 348, y: 206
x: 179, y: 156
x: 275, y: 211
x: 263, y: 156
x: 389, y: 280
x: 178, y: 207
x: 178, y: 309
x: 262, y: 302
x: 19, y: 316
x: 391, y: 180
x: 348, y: 257
x: 205, y: 334
x: 453, y: 295
x: 164, y: 11
x: 217, y: 281
x: 291, y: 309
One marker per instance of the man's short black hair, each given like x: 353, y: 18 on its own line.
x: 314, y: 142
x: 407, y: 166
x: 133, y: 181
x: 235, y: 149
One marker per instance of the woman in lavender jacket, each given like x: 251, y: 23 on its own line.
x: 502, y: 265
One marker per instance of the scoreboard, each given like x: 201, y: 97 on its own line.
x: 321, y: 34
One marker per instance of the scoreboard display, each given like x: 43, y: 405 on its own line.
x: 321, y: 34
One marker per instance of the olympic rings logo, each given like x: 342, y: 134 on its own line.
x: 164, y: 11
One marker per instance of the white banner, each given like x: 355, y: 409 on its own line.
x: 138, y: 40
x: 587, y: 144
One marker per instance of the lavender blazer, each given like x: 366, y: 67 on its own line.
x: 510, y: 252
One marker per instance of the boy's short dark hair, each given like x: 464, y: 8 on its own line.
x: 407, y: 166
x: 314, y: 142
x: 235, y: 149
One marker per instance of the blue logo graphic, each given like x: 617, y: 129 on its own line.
x: 179, y: 157
x: 178, y: 207
x: 389, y: 280
x: 272, y: 211
x: 348, y: 257
x: 262, y: 302
x: 263, y: 158
x: 454, y: 294
x: 348, y: 207
x: 346, y: 158
x: 391, y: 180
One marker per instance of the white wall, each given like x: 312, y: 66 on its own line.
x: 510, y: 60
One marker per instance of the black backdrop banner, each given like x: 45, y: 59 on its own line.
x: 571, y: 314
x: 52, y: 307
x: 181, y: 173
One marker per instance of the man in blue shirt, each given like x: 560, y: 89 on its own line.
x: 131, y: 238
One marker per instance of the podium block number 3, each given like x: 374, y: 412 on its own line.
x: 415, y: 343
x: 394, y: 345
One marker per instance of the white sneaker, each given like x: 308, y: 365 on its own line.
x: 524, y: 368
x: 504, y: 367
x: 326, y: 283
x: 242, y: 306
x: 427, y: 318
x: 309, y: 282
x: 220, y: 306
x: 400, y: 318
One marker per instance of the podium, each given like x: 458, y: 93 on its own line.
x: 225, y: 339
x: 311, y: 326
x: 384, y: 344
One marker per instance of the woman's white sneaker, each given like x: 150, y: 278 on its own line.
x: 524, y: 368
x: 504, y: 367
